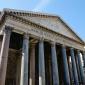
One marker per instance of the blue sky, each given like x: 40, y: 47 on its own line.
x: 71, y: 11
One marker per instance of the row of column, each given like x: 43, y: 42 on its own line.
x: 55, y: 74
x: 25, y: 61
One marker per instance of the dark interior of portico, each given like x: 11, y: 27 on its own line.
x: 60, y: 64
x: 14, y: 59
x: 48, y: 70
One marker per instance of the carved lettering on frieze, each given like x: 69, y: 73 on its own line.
x: 48, y: 35
x: 35, y: 31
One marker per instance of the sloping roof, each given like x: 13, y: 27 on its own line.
x: 30, y: 13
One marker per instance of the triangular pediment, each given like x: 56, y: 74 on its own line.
x: 51, y: 22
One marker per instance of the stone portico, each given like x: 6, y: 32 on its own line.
x: 39, y: 49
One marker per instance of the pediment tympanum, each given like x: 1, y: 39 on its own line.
x: 53, y: 24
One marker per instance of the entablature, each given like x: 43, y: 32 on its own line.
x: 40, y: 32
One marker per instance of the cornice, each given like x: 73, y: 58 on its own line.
x: 15, y: 15
x: 29, y: 13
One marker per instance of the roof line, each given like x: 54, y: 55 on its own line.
x: 29, y: 12
x: 70, y: 28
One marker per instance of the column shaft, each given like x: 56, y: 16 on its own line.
x: 65, y: 64
x: 24, y: 61
x: 83, y: 53
x: 4, y: 54
x: 70, y: 72
x: 41, y: 63
x: 77, y: 65
x: 81, y: 68
x: 54, y: 65
x: 32, y: 65
x: 74, y: 68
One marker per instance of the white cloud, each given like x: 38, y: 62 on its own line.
x: 42, y: 4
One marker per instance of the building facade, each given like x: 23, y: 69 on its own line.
x: 39, y: 49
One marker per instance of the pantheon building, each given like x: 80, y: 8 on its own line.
x: 39, y: 49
